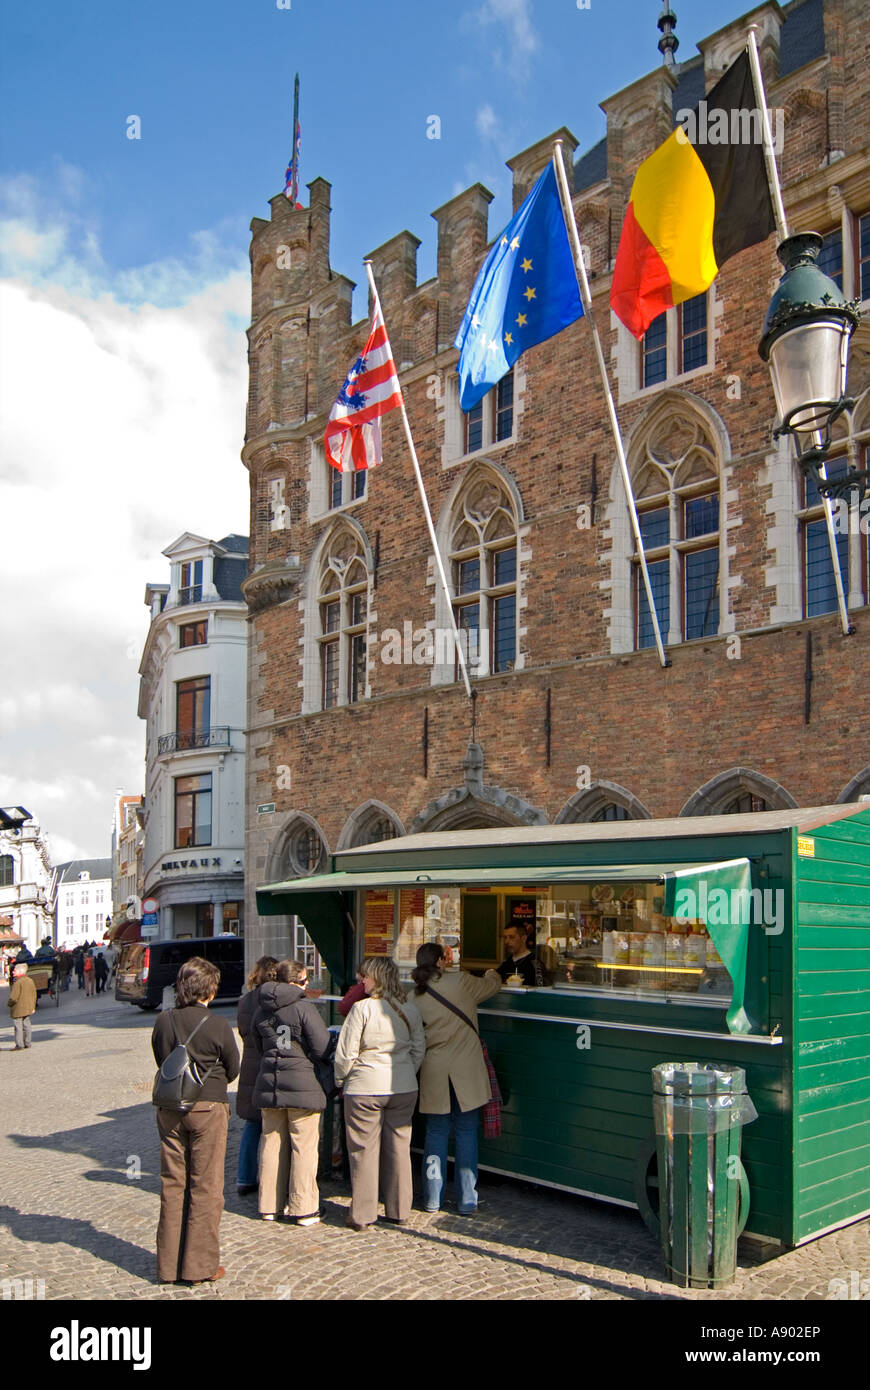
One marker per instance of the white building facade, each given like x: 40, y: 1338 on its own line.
x: 192, y: 697
x: 83, y: 901
x: 26, y: 877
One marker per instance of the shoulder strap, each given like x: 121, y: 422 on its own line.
x: 190, y: 1035
x: 397, y: 1010
x: 452, y: 1007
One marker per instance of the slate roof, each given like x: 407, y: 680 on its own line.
x: 591, y: 167
x: 237, y: 545
x: 69, y: 872
x: 802, y: 37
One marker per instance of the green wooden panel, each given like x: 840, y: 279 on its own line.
x: 851, y: 1060
x: 829, y: 1147
x: 843, y: 1026
x: 839, y: 871
x: 812, y: 963
x: 480, y: 938
x: 828, y: 1007
x: 821, y: 914
x: 812, y: 1100
x: 835, y: 1164
x: 837, y: 1213
x: 840, y: 936
x: 836, y: 1120
x: 841, y: 1188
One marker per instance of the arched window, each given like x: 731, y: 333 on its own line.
x: 739, y: 791
x: 851, y: 449
x: 483, y: 562
x: 342, y: 615
x: 299, y: 852
x: 370, y: 825
x: 676, y: 485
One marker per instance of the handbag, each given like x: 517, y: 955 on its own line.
x: 492, y: 1108
x: 179, y: 1082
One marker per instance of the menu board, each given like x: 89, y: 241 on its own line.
x: 379, y: 922
x: 412, y: 924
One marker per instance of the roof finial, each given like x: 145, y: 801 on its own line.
x: 668, y: 43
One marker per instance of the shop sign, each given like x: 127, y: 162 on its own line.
x: 806, y: 847
x: 167, y: 864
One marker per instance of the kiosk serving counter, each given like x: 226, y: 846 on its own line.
x: 734, y: 940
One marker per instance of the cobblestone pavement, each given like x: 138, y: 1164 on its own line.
x: 79, y: 1174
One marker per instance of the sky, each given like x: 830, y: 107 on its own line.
x: 125, y: 293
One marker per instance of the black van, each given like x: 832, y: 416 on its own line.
x: 145, y: 968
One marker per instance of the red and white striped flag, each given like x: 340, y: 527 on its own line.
x: 352, y: 438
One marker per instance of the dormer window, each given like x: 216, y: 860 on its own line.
x: 190, y: 586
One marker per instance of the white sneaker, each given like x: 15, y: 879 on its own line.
x: 307, y: 1220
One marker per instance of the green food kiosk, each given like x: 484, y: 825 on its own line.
x: 735, y: 940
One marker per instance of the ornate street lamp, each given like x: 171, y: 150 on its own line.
x: 806, y: 344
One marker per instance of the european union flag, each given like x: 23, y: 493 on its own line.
x: 526, y: 291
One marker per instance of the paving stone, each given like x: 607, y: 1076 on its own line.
x: 78, y: 1122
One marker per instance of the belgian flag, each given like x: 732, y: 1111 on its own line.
x: 700, y: 198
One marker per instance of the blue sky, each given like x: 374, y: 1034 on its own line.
x: 212, y: 82
x: 124, y: 286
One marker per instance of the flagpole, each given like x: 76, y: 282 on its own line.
x: 419, y: 476
x: 782, y: 232
x: 583, y: 285
x: 294, y: 178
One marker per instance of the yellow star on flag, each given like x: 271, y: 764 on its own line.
x: 522, y: 320
x: 515, y: 244
x: 527, y: 265
x: 508, y: 338
x: 529, y: 293
x: 504, y: 241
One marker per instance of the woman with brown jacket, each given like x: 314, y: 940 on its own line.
x: 247, y: 1177
x: 454, y: 1081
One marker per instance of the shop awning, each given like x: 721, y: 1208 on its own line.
x: 522, y: 876
x: 717, y: 894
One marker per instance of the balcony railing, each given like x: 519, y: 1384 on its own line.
x: 192, y: 594
x: 184, y: 741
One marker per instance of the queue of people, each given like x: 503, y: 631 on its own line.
x: 396, y: 1049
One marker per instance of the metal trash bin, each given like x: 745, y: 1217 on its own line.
x: 699, y: 1112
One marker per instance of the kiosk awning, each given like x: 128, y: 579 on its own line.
x: 521, y: 875
x: 718, y: 894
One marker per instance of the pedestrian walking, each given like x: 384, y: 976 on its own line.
x: 379, y: 1052
x: 288, y: 1033
x: 64, y: 965
x: 101, y: 971
x: 21, y: 1004
x: 79, y: 965
x: 90, y: 973
x: 247, y: 1177
x: 454, y: 1080
x: 193, y: 1143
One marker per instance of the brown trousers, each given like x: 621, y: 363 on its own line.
x: 288, y: 1161
x: 192, y: 1150
x: 378, y: 1132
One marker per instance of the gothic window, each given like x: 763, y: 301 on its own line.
x: 743, y: 804
x: 676, y: 342
x: 342, y: 615
x: 483, y: 561
x: 305, y: 850
x: 677, y: 487
x: 345, y: 487
x: 851, y: 449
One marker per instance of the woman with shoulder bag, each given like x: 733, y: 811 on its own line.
x: 247, y: 1178
x: 193, y: 1142
x: 454, y: 1080
x: 288, y: 1032
x: 379, y: 1051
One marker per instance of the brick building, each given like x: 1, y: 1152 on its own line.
x: 358, y: 726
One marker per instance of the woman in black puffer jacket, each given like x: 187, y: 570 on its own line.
x: 287, y: 1031
x: 249, y: 1145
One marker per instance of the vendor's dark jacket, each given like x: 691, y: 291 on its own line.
x: 214, y: 1045
x: 248, y: 1005
x: 286, y: 1027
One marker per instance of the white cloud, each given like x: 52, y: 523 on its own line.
x: 122, y: 407
x: 487, y: 123
x: 516, y: 42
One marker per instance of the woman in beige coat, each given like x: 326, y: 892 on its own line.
x: 379, y: 1052
x: 454, y: 1081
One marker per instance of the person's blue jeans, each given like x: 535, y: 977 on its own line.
x: 249, y: 1149
x: 464, y: 1125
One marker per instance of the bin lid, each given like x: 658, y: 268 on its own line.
x: 697, y: 1079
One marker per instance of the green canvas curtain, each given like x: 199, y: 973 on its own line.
x: 719, y: 896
